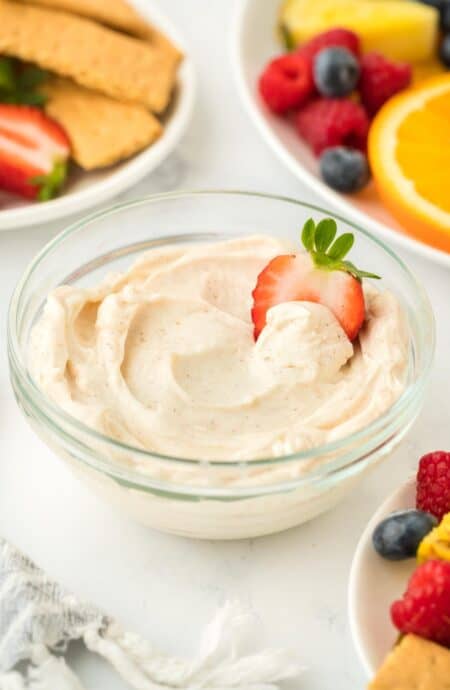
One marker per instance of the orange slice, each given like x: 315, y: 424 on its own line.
x: 427, y: 69
x: 409, y: 151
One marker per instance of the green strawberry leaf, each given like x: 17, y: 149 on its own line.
x: 7, y: 78
x: 30, y: 77
x: 28, y: 98
x: 324, y: 261
x: 356, y: 272
x: 49, y: 185
x: 341, y: 246
x: 19, y: 83
x: 325, y: 234
x: 37, y: 99
x: 327, y: 252
x: 308, y: 233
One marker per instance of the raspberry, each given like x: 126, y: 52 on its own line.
x: 328, y: 122
x: 287, y: 82
x: 342, y: 38
x: 433, y: 484
x: 424, y: 609
x: 380, y: 80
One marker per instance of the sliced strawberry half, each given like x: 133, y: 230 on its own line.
x: 34, y: 151
x: 318, y: 275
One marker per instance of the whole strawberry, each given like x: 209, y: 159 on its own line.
x: 424, y: 609
x: 381, y: 79
x: 433, y: 484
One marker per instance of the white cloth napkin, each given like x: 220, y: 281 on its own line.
x: 38, y: 619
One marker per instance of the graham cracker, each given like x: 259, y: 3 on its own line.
x: 94, y: 56
x: 117, y: 14
x: 102, y: 131
x: 414, y: 664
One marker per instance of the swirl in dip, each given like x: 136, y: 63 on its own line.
x: 163, y: 357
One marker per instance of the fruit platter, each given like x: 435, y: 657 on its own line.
x: 355, y: 111
x: 401, y: 624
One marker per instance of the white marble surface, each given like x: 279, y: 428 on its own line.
x: 163, y: 586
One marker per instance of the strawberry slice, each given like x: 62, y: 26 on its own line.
x: 34, y: 151
x: 318, y: 275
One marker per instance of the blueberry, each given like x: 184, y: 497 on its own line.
x: 336, y: 72
x: 445, y: 17
x: 444, y: 51
x: 437, y: 4
x: 442, y: 6
x: 344, y: 169
x: 399, y: 535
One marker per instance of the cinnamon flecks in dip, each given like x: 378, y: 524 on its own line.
x: 164, y: 357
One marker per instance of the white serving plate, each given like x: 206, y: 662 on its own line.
x: 254, y: 42
x: 89, y: 189
x: 374, y: 584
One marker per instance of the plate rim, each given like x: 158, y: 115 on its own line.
x: 242, y: 9
x: 135, y: 168
x: 386, y: 507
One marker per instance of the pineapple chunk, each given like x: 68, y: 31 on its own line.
x: 399, y: 29
x: 436, y: 545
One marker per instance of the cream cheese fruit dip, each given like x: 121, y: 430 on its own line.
x: 163, y: 357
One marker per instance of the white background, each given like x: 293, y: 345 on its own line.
x: 165, y: 587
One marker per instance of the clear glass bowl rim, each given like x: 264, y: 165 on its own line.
x: 409, y: 395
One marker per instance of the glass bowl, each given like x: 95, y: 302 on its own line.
x: 214, y: 500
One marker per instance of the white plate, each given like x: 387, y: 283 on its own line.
x: 254, y: 42
x: 374, y: 584
x: 89, y: 189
